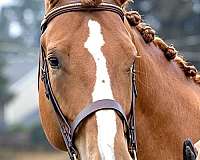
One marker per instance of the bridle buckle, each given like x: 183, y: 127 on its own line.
x: 135, y: 154
x: 74, y: 155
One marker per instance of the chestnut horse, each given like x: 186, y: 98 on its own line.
x: 90, y: 56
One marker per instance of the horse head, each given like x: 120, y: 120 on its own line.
x: 86, y: 59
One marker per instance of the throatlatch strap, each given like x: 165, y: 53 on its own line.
x: 132, y: 142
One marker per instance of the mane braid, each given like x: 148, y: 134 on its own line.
x: 189, y: 69
x: 148, y: 34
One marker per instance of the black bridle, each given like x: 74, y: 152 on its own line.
x: 68, y: 129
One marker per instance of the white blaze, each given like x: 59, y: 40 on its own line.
x: 106, y: 119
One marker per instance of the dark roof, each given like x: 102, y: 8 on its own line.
x: 18, y: 65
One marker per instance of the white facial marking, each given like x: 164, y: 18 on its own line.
x: 102, y: 89
x: 106, y: 122
x: 106, y: 119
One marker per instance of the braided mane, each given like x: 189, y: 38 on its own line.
x: 171, y: 54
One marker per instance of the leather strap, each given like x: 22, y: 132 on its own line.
x: 132, y: 129
x: 63, y: 122
x: 78, y: 7
x: 96, y: 106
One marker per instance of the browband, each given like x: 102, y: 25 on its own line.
x: 78, y: 7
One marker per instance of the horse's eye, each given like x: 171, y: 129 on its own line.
x: 54, y: 62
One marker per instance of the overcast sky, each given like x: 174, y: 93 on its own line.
x: 5, y: 2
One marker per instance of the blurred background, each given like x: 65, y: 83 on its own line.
x: 21, y: 136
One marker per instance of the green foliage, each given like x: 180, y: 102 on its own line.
x: 32, y: 137
x: 38, y: 137
x: 171, y: 18
x: 5, y: 95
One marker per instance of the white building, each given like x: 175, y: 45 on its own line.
x: 23, y: 108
